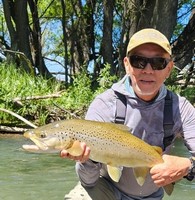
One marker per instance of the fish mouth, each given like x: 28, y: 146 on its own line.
x: 39, y: 145
x: 30, y: 148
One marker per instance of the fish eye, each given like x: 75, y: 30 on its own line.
x: 43, y: 135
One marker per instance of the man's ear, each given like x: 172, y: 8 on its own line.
x: 170, y: 68
x: 126, y: 65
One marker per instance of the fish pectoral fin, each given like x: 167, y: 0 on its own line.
x: 75, y: 149
x: 114, y: 172
x: 169, y: 188
x: 140, y: 174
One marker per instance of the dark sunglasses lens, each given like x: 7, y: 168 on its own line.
x: 138, y: 62
x: 158, y: 63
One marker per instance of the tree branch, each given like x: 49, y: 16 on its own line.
x: 19, y: 117
x: 12, y: 129
x: 19, y: 99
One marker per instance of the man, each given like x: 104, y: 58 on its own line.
x: 148, y: 63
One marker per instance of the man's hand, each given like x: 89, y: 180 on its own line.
x: 173, y: 169
x: 82, y: 158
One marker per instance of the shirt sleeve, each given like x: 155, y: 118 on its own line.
x: 187, y: 112
x: 88, y: 172
x: 103, y: 108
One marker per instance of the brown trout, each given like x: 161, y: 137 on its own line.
x: 111, y: 144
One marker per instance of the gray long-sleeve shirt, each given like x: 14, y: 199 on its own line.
x: 146, y: 122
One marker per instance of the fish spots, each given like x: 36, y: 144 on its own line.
x: 74, y: 138
x: 101, y: 149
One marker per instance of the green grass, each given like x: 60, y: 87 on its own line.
x: 73, y: 102
x: 15, y: 83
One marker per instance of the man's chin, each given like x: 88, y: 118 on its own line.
x: 146, y: 95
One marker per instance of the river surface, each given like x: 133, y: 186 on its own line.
x: 28, y: 176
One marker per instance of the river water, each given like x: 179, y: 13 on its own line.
x: 28, y: 176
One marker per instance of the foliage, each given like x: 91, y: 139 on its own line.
x: 73, y: 102
x: 15, y: 83
x: 79, y: 94
x: 105, y: 79
x: 172, y: 78
x: 174, y: 85
x: 189, y: 93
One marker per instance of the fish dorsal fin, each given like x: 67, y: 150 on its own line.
x: 169, y: 188
x: 158, y: 149
x: 140, y: 174
x: 114, y: 172
x: 121, y: 127
x: 75, y: 149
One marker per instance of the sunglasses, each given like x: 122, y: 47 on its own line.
x: 140, y: 62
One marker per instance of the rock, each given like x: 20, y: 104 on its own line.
x: 77, y: 193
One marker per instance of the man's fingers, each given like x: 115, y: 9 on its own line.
x: 82, y: 158
x: 64, y: 154
x: 85, y: 155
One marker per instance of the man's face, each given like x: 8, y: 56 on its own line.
x: 147, y: 82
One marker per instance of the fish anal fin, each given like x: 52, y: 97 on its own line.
x: 114, y: 172
x: 169, y: 188
x: 75, y: 149
x: 140, y: 174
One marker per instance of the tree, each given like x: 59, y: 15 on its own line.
x: 25, y: 39
x: 92, y: 32
x: 107, y: 50
x: 17, y: 23
x: 36, y: 46
x: 184, y: 46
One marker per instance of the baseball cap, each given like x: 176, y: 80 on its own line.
x: 149, y: 35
